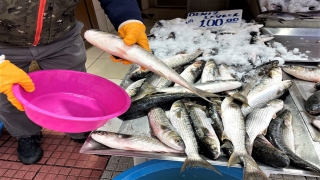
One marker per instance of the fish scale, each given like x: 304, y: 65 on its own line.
x: 192, y: 72
x: 210, y: 71
x: 181, y: 122
x: 258, y: 120
x: 258, y: 100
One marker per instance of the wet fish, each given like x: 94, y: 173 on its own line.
x: 134, y: 88
x: 265, y: 152
x: 142, y: 106
x: 163, y: 129
x: 210, y: 71
x: 281, y: 16
x: 181, y: 122
x: 174, y: 61
x: 310, y: 14
x: 303, y: 72
x: 273, y: 76
x: 234, y: 130
x: 138, y: 55
x: 131, y: 142
x: 154, y: 81
x: 226, y: 72
x: 260, y: 99
x: 316, y: 123
x: 192, y: 72
x: 274, y: 135
x: 287, y: 132
x: 203, y: 129
x: 251, y: 78
x: 211, y: 87
x: 257, y: 121
x: 215, y: 115
x: 312, y: 104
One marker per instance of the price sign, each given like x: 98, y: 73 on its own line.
x: 215, y: 19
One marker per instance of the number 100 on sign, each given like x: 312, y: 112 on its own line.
x: 217, y: 22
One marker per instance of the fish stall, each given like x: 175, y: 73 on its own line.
x: 259, y: 111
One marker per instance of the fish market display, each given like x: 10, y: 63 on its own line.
x: 134, y: 88
x: 287, y: 132
x: 235, y: 131
x: 181, y: 121
x: 265, y: 152
x: 137, y: 55
x: 210, y: 71
x: 292, y: 6
x: 313, y: 103
x: 260, y: 99
x: 203, y: 129
x: 164, y: 130
x: 258, y: 121
x: 192, y: 72
x: 274, y: 135
x: 303, y: 72
x: 131, y: 142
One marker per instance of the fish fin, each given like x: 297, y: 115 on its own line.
x: 240, y: 97
x: 197, y: 161
x: 265, y: 131
x: 234, y: 159
x: 251, y: 169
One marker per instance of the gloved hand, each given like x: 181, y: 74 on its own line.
x: 9, y: 75
x: 132, y: 32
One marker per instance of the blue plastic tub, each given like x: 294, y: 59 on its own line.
x: 167, y: 170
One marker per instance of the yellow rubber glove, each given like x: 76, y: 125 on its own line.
x: 132, y: 32
x: 9, y: 75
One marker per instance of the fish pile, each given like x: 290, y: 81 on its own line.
x: 311, y: 74
x: 291, y: 6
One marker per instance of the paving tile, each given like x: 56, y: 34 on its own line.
x: 47, y: 153
x: 96, y: 174
x: 61, y: 177
x: 5, y: 178
x: 71, y: 162
x: 112, y: 166
x: 56, y: 141
x: 61, y: 147
x: 75, y: 172
x: 86, y: 172
x: 50, y: 177
x: 90, y: 164
x: 124, y: 159
x: 10, y: 173
x: 114, y: 159
x: 72, y: 177
x: 65, y: 142
x: 15, y: 145
x: 6, y: 164
x: 20, y: 174
x: 116, y: 173
x: 3, y: 149
x: 107, y: 174
x: 11, y: 150
x: 43, y: 160
x: 51, y: 147
x: 121, y: 167
x: 29, y: 175
x: 5, y: 156
x: 83, y: 178
x: 51, y: 161
x: 84, y: 157
x: 45, y: 168
x: 100, y: 165
x: 75, y: 156
x: 13, y: 157
x: 65, y: 155
x: 55, y: 169
x: 104, y: 158
x: 65, y: 171
x: 40, y: 176
x: 48, y: 141
x: 69, y: 148
x: 81, y: 164
x: 16, y: 165
x: 61, y: 162
x: 56, y: 154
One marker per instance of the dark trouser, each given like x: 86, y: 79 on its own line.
x: 67, y: 53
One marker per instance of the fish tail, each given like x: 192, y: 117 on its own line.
x: 251, y: 169
x: 197, y: 161
x: 240, y: 97
x: 204, y: 94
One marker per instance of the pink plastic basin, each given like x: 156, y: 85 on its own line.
x: 72, y: 101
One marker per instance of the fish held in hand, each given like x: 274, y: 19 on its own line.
x: 114, y: 45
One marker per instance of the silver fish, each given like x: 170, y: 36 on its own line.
x: 163, y: 129
x: 210, y: 71
x: 226, y: 72
x: 180, y: 120
x: 257, y: 121
x: 134, y: 88
x: 287, y: 132
x: 131, y: 142
x: 274, y: 76
x: 174, y: 61
x: 302, y: 72
x: 211, y: 87
x: 258, y: 100
x: 136, y: 54
x: 192, y: 72
x: 235, y: 131
x: 203, y: 129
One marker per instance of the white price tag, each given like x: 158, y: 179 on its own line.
x: 215, y: 19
